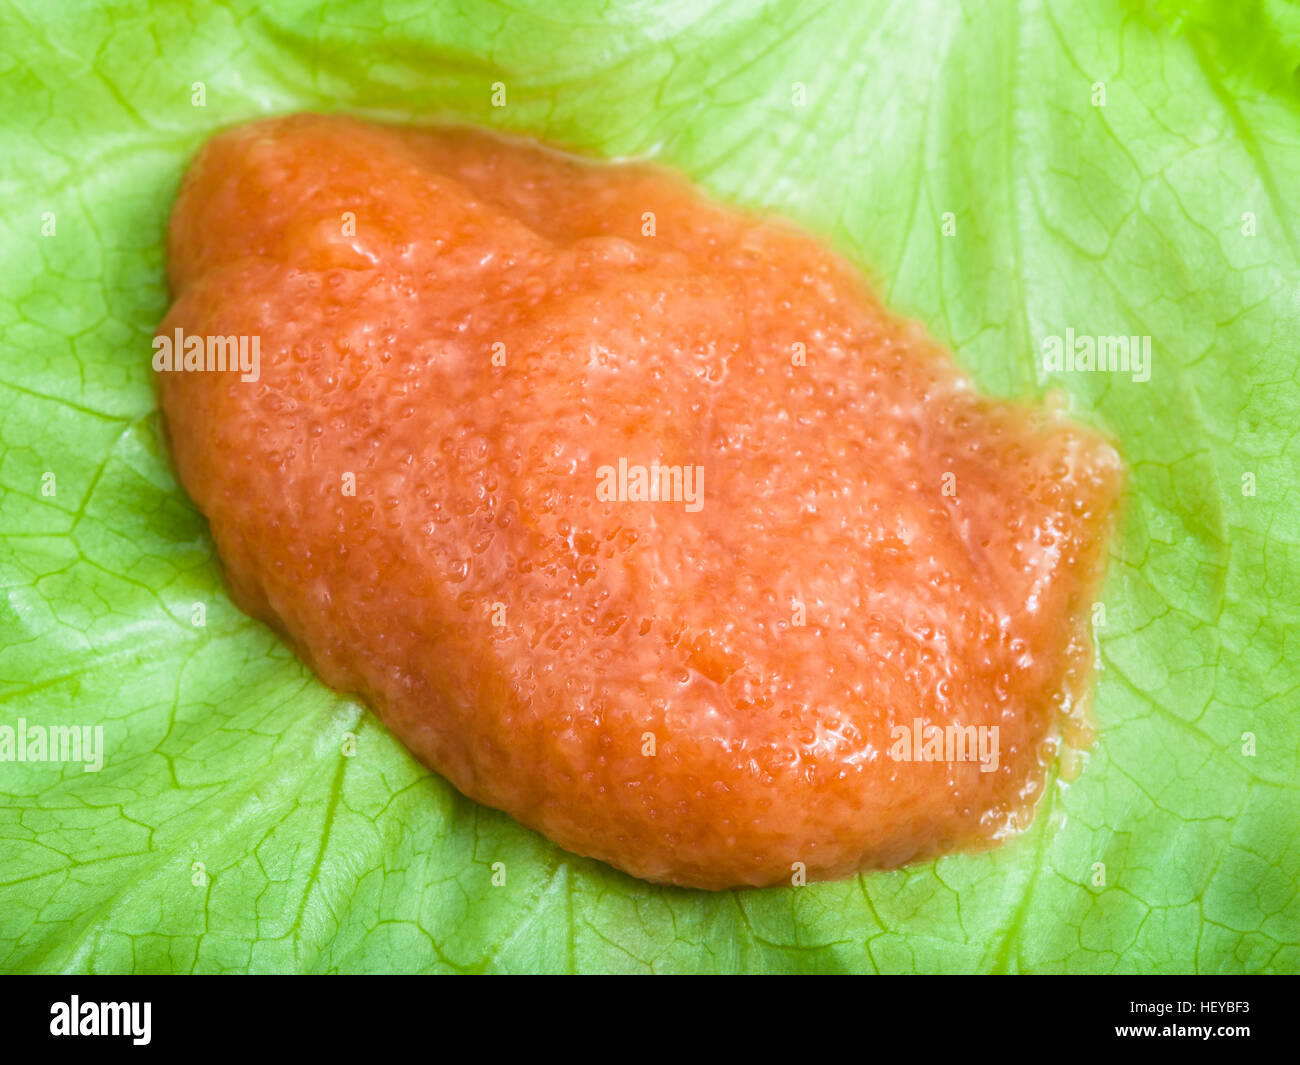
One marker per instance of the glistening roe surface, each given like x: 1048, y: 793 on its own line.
x: 943, y: 548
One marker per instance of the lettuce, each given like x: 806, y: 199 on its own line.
x: 1005, y: 171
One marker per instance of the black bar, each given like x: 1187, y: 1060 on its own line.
x: 371, y: 1015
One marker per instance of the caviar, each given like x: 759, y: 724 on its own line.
x: 632, y: 515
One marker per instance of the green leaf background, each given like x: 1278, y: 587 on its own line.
x: 1122, y: 219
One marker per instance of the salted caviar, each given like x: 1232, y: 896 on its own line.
x: 631, y: 514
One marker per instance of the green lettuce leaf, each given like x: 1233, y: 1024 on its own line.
x: 246, y: 818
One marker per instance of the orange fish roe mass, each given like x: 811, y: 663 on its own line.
x: 842, y: 630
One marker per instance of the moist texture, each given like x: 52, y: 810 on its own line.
x: 457, y: 333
